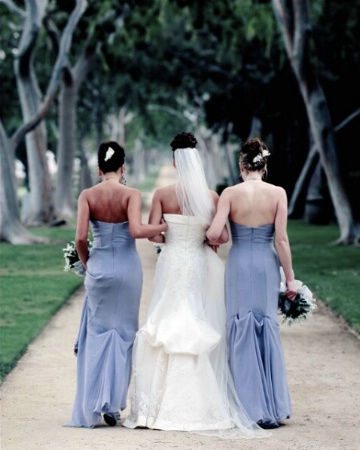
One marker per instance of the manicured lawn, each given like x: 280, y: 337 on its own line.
x: 33, y: 287
x: 332, y: 272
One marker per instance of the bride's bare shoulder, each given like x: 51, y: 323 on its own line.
x: 165, y: 190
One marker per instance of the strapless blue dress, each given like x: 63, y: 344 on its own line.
x: 252, y: 282
x: 109, y: 322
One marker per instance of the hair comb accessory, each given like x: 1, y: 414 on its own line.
x: 109, y: 152
x: 261, y: 156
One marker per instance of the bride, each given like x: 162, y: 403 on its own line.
x: 180, y: 378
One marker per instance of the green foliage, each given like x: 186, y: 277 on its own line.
x: 331, y: 272
x: 166, y: 122
x: 225, y: 61
x: 33, y: 287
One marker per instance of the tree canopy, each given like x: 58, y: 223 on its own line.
x: 180, y: 64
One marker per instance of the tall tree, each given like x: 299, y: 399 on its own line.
x: 293, y: 20
x: 41, y: 202
x: 11, y: 229
x: 96, y: 23
x: 41, y: 208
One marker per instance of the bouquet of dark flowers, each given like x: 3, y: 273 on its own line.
x: 72, y: 261
x: 299, y: 309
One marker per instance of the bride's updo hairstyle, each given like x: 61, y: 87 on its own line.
x: 183, y: 140
x: 111, y: 156
x: 254, y: 155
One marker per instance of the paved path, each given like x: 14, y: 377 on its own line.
x: 323, y: 361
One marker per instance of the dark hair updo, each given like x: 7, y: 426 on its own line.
x: 183, y: 140
x: 111, y: 156
x: 254, y: 154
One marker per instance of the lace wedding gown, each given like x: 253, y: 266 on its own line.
x: 180, y: 378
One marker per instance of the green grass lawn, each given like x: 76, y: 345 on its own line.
x: 33, y: 287
x: 33, y: 284
x: 331, y: 272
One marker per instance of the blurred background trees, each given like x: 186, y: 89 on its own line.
x: 140, y: 71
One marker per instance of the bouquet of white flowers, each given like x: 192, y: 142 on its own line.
x: 72, y: 261
x: 299, y: 309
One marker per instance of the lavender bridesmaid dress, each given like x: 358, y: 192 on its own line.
x: 108, y: 324
x: 252, y: 281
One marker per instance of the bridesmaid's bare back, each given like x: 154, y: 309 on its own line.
x: 254, y: 203
x: 108, y: 201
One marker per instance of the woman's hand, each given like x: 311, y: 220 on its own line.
x: 165, y: 226
x: 158, y: 239
x: 291, y: 291
x: 214, y: 245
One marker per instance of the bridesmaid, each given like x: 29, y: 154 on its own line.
x: 113, y: 284
x: 258, y: 218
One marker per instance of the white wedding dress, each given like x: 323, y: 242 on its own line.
x: 180, y: 378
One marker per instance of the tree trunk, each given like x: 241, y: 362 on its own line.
x: 233, y: 177
x: 64, y: 198
x: 11, y: 231
x: 212, y: 154
x: 216, y: 153
x: 138, y: 162
x: 297, y: 201
x: 317, y: 206
x: 41, y: 208
x: 73, y: 77
x: 11, y: 228
x: 256, y: 127
x: 208, y: 157
x: 117, y: 125
x: 296, y: 204
x: 293, y: 21
x: 85, y: 179
x: 68, y: 99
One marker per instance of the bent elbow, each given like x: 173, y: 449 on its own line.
x: 224, y: 239
x: 135, y: 232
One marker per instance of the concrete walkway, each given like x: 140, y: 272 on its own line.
x: 323, y: 361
